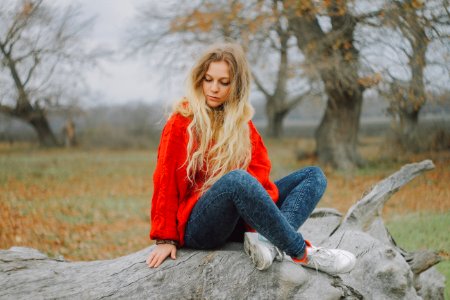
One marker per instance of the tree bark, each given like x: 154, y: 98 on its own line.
x: 410, y: 97
x: 277, y: 102
x: 406, y: 131
x: 275, y: 120
x: 23, y: 110
x: 336, y: 136
x: 383, y: 270
x: 35, y: 116
x: 43, y: 130
x: 336, y: 60
x: 416, y: 98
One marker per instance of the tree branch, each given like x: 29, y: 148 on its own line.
x: 370, y: 206
x: 260, y: 86
x: 296, y: 101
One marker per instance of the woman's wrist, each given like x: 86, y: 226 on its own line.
x: 170, y: 242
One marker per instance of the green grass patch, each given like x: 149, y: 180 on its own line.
x: 424, y: 231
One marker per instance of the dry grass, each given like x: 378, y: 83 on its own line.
x: 429, y: 192
x: 82, y: 205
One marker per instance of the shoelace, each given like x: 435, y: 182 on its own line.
x: 321, y: 257
x: 279, y: 255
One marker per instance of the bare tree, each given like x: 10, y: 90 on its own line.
x: 41, y: 52
x: 333, y: 56
x: 420, y: 24
x: 334, y: 53
x: 281, y: 100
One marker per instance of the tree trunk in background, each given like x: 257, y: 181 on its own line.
x: 277, y: 106
x: 409, y: 114
x: 336, y: 60
x: 23, y: 110
x: 45, y: 135
x: 36, y: 117
x: 275, y: 118
x: 336, y: 136
x: 405, y: 130
x: 409, y: 97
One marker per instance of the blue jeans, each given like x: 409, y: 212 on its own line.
x: 239, y: 196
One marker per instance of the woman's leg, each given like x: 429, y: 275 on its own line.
x: 213, y: 218
x: 299, y: 194
x: 239, y: 194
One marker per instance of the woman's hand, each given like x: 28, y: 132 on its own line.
x: 160, y: 253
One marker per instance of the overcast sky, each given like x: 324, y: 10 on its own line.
x: 120, y: 81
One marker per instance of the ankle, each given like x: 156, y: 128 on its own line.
x: 303, y: 258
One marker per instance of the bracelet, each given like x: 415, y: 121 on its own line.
x: 171, y: 242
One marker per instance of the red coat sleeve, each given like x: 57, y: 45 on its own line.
x: 260, y: 164
x: 167, y: 181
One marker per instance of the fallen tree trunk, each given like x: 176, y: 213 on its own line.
x: 383, y: 270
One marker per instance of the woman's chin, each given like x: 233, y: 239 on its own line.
x: 213, y: 104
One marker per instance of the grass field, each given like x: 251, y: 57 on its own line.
x: 88, y: 205
x: 425, y: 230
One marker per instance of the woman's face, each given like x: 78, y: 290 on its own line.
x: 216, y: 84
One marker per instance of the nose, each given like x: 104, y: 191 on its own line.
x: 214, y: 87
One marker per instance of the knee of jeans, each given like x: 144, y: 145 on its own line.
x: 236, y: 176
x: 320, y: 180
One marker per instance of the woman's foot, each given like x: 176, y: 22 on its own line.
x: 260, y: 250
x: 331, y: 261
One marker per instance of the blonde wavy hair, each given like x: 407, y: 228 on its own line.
x: 219, y: 138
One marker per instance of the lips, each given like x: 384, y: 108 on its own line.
x: 212, y: 98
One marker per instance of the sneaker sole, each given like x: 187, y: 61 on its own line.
x: 258, y: 254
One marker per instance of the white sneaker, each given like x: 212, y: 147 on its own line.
x: 260, y: 250
x: 331, y: 261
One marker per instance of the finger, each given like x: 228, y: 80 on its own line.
x: 160, y: 261
x: 173, y: 254
x: 153, y: 261
x: 149, y: 258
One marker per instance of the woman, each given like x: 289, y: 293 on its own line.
x: 211, y: 183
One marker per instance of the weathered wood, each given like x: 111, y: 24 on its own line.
x: 363, y: 213
x: 383, y: 270
x: 421, y: 261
